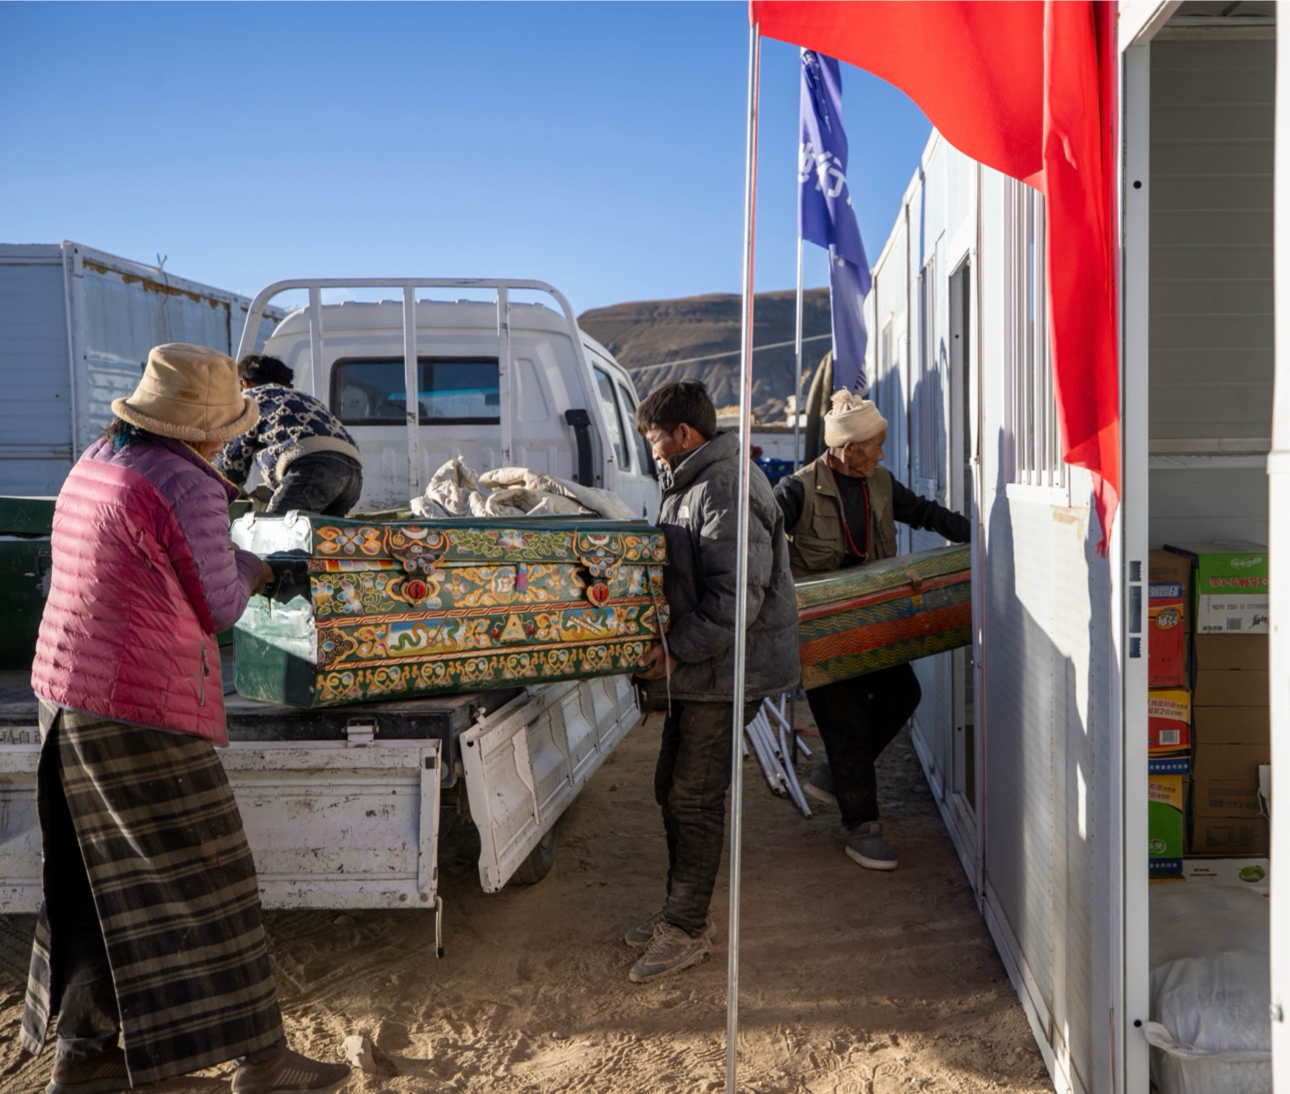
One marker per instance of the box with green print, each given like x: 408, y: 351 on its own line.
x: 367, y: 610
x: 1229, y: 586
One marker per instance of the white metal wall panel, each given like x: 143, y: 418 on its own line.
x: 123, y: 318
x: 35, y: 414
x: 1226, y: 500
x: 1043, y: 713
x: 1211, y: 239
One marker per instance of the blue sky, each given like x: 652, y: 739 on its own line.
x: 598, y: 146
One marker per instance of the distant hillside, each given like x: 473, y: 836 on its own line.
x: 655, y: 331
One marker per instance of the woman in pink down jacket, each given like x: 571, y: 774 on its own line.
x: 149, y: 945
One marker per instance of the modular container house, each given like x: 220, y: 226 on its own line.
x: 1034, y: 740
x: 76, y: 326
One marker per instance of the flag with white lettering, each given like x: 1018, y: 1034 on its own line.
x: 826, y: 217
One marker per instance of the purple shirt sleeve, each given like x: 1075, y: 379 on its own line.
x: 227, y: 575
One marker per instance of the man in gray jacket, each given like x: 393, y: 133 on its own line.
x: 699, y: 469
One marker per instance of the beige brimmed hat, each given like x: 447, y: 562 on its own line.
x: 189, y: 393
x: 851, y: 418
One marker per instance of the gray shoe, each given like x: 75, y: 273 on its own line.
x: 670, y: 950
x: 644, y: 931
x: 866, y: 846
x: 820, y: 784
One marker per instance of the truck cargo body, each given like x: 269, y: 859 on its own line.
x: 1035, y: 741
x: 76, y: 326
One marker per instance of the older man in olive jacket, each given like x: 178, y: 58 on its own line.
x: 700, y: 477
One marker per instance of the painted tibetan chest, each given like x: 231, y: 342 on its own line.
x: 394, y: 610
x: 885, y: 613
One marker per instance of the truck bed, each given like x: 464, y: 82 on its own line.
x: 443, y: 717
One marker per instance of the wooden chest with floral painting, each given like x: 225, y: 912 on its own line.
x: 380, y: 610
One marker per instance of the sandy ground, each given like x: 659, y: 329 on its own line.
x: 852, y: 982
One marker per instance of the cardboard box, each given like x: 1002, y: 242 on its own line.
x: 1166, y: 635
x: 1231, y: 688
x: 1230, y: 798
x: 1232, y: 651
x: 1233, y: 762
x: 1164, y: 825
x: 1231, y: 726
x: 1169, y: 566
x: 1246, y: 872
x: 1168, y: 725
x: 1229, y: 586
x: 1229, y: 836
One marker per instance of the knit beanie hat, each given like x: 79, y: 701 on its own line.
x: 189, y: 393
x: 851, y: 418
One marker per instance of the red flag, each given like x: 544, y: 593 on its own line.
x: 1028, y: 89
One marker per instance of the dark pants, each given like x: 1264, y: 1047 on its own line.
x: 327, y: 483
x: 857, y: 719
x: 690, y: 784
x: 88, y: 1021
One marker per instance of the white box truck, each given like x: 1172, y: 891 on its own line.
x: 76, y: 326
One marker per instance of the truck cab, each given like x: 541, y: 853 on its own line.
x: 500, y: 383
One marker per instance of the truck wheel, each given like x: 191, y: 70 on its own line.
x: 534, y: 868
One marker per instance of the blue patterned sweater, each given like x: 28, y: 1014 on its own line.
x: 292, y: 424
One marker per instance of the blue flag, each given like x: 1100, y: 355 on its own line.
x: 826, y: 217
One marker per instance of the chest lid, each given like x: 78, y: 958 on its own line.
x: 915, y: 572
x: 596, y: 544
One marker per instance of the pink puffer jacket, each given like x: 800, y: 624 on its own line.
x: 144, y: 575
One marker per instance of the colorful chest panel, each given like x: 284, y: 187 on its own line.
x: 885, y: 613
x: 394, y: 610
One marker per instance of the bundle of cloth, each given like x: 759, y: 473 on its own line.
x: 457, y: 490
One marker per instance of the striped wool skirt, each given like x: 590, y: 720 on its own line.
x: 175, y: 890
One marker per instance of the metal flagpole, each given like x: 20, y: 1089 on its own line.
x: 797, y: 342
x: 741, y: 565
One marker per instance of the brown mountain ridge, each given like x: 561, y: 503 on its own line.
x: 653, y: 332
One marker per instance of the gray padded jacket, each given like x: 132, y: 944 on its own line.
x: 699, y: 518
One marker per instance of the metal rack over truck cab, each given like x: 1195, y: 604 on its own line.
x: 500, y: 383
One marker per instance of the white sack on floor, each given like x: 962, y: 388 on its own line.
x: 455, y: 490
x: 1209, y: 1027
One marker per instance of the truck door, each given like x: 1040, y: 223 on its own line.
x: 635, y: 484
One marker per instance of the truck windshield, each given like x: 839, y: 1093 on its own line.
x: 455, y: 390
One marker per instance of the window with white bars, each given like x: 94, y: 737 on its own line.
x: 927, y: 385
x: 1036, y: 453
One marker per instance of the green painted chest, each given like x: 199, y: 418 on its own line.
x: 394, y: 610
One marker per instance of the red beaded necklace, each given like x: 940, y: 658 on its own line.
x: 846, y: 528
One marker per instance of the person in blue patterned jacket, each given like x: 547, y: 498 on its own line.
x: 306, y: 456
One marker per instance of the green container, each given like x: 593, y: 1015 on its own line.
x: 25, y: 527
x: 1164, y: 825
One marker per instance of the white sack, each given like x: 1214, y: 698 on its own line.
x: 1210, y: 993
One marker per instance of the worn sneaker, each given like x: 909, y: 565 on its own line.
x: 670, y: 950
x: 820, y: 784
x: 98, y: 1074
x: 289, y: 1073
x: 644, y: 931
x: 866, y: 846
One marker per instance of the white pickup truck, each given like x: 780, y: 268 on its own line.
x: 342, y: 805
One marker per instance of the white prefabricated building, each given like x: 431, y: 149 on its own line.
x: 1035, y: 740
